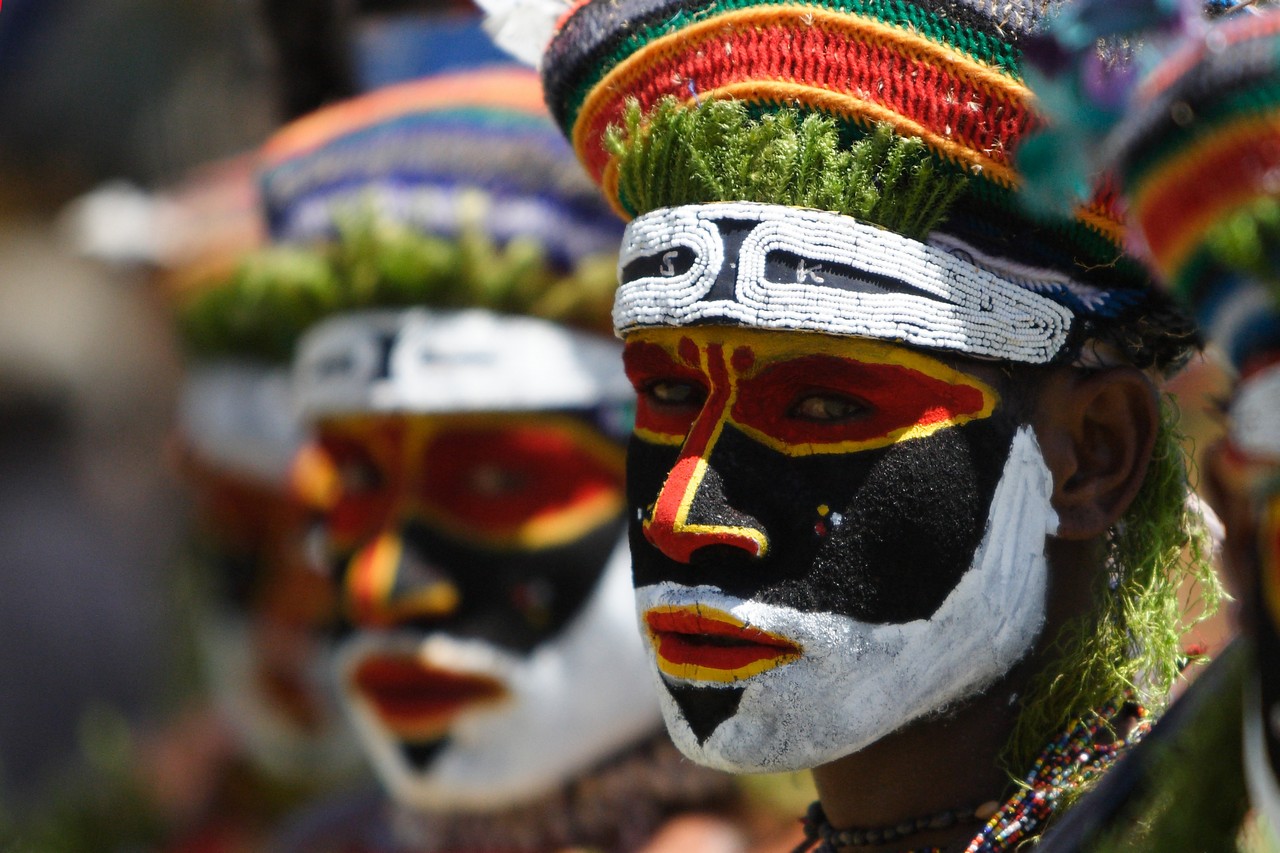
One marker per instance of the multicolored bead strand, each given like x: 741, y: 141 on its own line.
x: 1065, y: 765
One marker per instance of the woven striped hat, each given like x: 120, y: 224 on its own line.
x: 451, y: 191
x: 905, y: 202
x: 1200, y: 163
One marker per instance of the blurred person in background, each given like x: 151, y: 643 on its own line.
x: 1189, y: 125
x: 89, y: 409
x: 437, y: 245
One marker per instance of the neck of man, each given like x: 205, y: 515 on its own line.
x: 956, y: 759
x: 942, y: 763
x: 618, y: 805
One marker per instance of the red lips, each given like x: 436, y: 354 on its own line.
x: 710, y: 645
x: 417, y: 701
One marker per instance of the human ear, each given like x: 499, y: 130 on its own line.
x: 1097, y: 431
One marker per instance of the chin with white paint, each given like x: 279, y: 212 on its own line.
x: 807, y: 688
x: 457, y: 724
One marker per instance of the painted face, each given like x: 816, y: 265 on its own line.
x: 831, y: 537
x: 483, y: 577
x: 262, y: 647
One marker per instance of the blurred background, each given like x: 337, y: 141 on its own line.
x: 134, y: 91
x: 105, y: 733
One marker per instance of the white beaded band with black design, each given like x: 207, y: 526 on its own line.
x: 421, y: 361
x: 770, y: 266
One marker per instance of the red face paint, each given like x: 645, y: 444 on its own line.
x: 882, y: 393
x: 416, y: 701
x: 714, y: 645
x: 800, y: 395
x: 504, y: 481
x: 496, y: 481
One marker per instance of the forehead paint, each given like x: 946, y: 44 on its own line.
x: 447, y: 362
x: 831, y: 684
x: 239, y: 416
x: 776, y: 267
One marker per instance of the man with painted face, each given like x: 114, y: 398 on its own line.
x: 904, y: 508
x: 441, y: 259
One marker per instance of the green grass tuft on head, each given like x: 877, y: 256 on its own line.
x: 718, y: 151
x: 276, y: 294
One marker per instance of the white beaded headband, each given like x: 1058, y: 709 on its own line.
x: 419, y: 361
x: 770, y: 266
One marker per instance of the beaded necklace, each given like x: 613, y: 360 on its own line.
x: 1068, y: 763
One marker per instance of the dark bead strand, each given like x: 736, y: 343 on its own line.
x: 818, y: 829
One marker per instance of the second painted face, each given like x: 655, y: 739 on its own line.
x: 482, y: 578
x: 831, y: 537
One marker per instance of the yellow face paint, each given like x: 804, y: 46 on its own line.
x: 798, y: 393
x: 503, y: 482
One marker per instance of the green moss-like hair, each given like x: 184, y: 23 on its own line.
x: 1130, y: 645
x: 279, y: 292
x: 717, y: 151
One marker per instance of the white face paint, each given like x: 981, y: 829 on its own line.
x: 854, y: 682
x: 571, y: 703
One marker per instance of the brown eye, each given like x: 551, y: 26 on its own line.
x: 494, y: 481
x: 358, y: 477
x: 829, y: 408
x: 675, y: 393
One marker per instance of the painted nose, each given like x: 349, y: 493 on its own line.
x: 692, y: 511
x: 388, y: 584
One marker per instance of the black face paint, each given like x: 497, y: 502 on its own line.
x: 901, y: 524
x: 512, y: 599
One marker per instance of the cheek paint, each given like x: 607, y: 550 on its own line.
x: 852, y: 682
x: 900, y: 529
